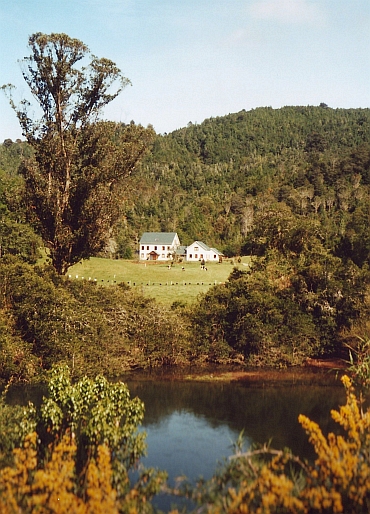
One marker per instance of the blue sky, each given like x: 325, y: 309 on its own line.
x: 192, y: 59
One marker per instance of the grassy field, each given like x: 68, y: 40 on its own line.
x: 154, y: 278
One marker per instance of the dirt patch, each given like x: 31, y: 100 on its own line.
x: 222, y: 376
x: 315, y: 371
x: 326, y: 363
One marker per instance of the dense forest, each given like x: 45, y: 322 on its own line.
x: 209, y: 182
x: 290, y: 187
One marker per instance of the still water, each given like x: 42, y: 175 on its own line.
x: 191, y: 426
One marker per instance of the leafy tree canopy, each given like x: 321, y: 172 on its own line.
x: 75, y: 176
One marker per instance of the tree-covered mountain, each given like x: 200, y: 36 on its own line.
x: 208, y: 181
x: 291, y: 186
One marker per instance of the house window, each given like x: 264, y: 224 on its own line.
x: 214, y: 256
x: 196, y: 256
x: 142, y: 256
x: 163, y: 256
x: 191, y: 256
x: 155, y: 248
x: 142, y: 247
x: 163, y: 247
x: 168, y: 248
x: 196, y: 248
x: 201, y: 256
x: 147, y: 247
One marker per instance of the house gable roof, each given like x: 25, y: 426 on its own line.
x: 201, y: 245
x: 160, y: 238
x: 205, y: 247
x: 216, y: 251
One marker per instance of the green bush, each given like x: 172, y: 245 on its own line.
x: 254, y: 317
x: 19, y: 239
x: 92, y: 328
x: 16, y: 359
x: 63, y: 443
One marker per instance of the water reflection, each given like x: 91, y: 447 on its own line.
x: 220, y: 411
x: 186, y: 445
x: 191, y: 426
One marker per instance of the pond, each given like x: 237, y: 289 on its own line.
x: 191, y: 425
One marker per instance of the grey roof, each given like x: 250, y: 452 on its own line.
x: 161, y: 238
x: 202, y: 245
x: 181, y: 250
x: 217, y: 251
x: 206, y: 248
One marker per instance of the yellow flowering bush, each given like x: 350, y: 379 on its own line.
x: 261, y: 481
x: 25, y: 487
x: 52, y: 487
x: 340, y: 479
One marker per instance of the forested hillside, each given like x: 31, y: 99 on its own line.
x: 208, y: 181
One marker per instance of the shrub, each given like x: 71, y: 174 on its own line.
x: 78, y: 458
x: 253, y: 316
x: 19, y: 239
x: 92, y: 328
x: 51, y: 487
x: 16, y: 359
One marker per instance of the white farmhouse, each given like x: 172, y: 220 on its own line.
x: 158, y: 246
x: 199, y: 251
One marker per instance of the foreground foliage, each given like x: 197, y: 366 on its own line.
x: 80, y: 445
x: 78, y: 451
x: 359, y: 365
x: 51, y: 489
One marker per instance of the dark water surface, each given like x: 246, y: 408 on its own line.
x: 191, y: 425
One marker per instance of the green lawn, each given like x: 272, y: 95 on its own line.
x: 154, y: 278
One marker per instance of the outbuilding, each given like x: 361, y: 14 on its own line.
x: 199, y: 251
